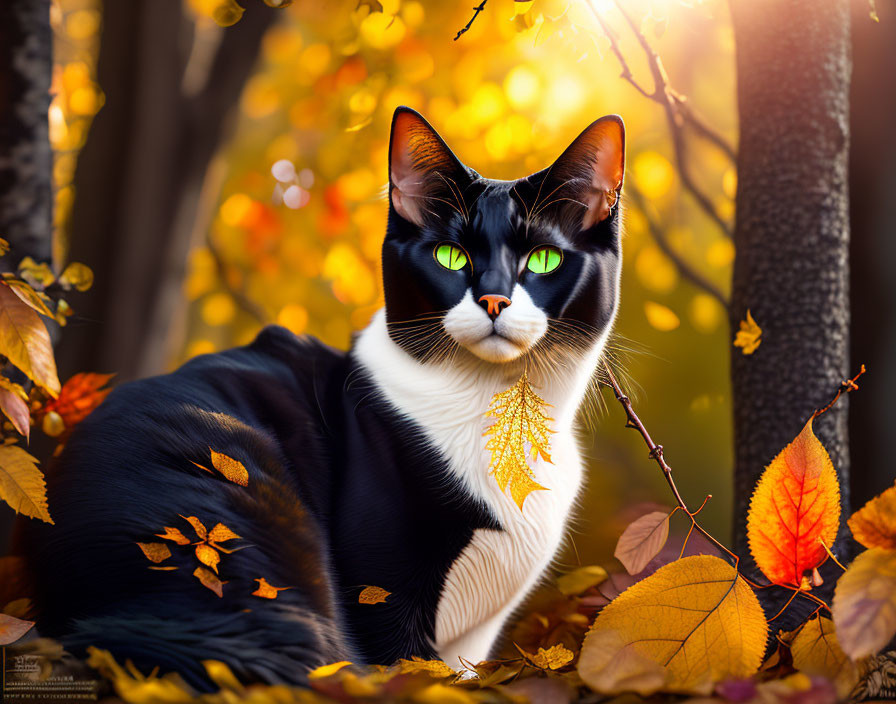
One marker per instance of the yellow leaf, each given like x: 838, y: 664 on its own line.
x: 14, y: 406
x: 232, y: 469
x: 553, y: 658
x: 695, y: 618
x: 434, y: 668
x: 175, y: 535
x: 198, y: 526
x: 155, y: 552
x: 22, y: 483
x: 221, y: 534
x: 136, y: 688
x: 25, y: 342
x: 210, y: 580
x: 439, y: 693
x: 373, y: 595
x: 795, y: 508
x: 874, y: 525
x: 76, y: 275
x: 581, y: 579
x: 29, y: 296
x: 40, y: 275
x: 223, y: 676
x: 267, y: 590
x: 642, y: 541
x: 11, y: 629
x: 816, y: 651
x: 519, y: 420
x: 749, y: 336
x: 319, y: 673
x: 864, y: 607
x: 208, y: 556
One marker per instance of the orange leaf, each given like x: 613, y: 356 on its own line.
x: 221, y: 534
x: 373, y: 595
x: 197, y: 526
x: 175, y: 535
x: 79, y: 396
x: 163, y: 568
x: 210, y: 580
x: 874, y: 525
x: 267, y: 590
x: 795, y: 507
x: 207, y: 555
x: 24, y: 340
x: 232, y: 469
x: 15, y: 407
x: 22, y: 483
x: 155, y: 552
x: 642, y: 541
x: 11, y: 629
x: 28, y: 295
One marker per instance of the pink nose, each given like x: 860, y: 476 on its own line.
x: 494, y: 304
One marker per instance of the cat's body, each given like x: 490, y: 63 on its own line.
x: 365, y: 469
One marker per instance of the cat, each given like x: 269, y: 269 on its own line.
x: 365, y: 468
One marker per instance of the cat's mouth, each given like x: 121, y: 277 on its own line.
x: 495, y: 347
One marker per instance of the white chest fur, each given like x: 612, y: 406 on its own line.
x: 497, y: 569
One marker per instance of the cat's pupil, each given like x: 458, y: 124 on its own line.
x: 451, y: 257
x: 544, y: 260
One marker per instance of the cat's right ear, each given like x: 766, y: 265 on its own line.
x: 422, y: 169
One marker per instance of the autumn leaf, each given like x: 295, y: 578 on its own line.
x: 11, y: 629
x: 25, y: 342
x: 76, y: 275
x: 816, y: 652
x: 552, y: 658
x: 373, y: 595
x: 28, y: 295
x: 520, y: 427
x: 223, y: 676
x: 692, y: 623
x: 210, y: 580
x: 319, y: 673
x: 581, y: 579
x: 78, y: 397
x: 163, y: 568
x: 198, y: 526
x: 22, y: 483
x: 795, y: 507
x: 864, y: 606
x: 221, y: 534
x: 874, y: 525
x: 14, y: 404
x: 749, y: 337
x: 208, y: 556
x: 232, y: 469
x: 434, y: 668
x: 38, y: 275
x: 175, y: 535
x: 642, y: 541
x: 155, y: 552
x: 267, y: 590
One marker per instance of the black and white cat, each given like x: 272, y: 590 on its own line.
x: 365, y: 468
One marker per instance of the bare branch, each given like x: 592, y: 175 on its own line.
x: 476, y: 10
x: 662, y: 240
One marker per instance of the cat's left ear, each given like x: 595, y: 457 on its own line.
x: 590, y: 172
x: 423, y: 171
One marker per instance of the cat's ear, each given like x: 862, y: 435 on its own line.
x: 422, y: 169
x: 587, y: 178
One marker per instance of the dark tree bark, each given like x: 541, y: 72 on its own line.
x: 872, y: 185
x: 791, y: 233
x: 26, y: 161
x: 141, y: 172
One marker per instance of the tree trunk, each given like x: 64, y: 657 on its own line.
x: 791, y: 234
x: 26, y: 161
x: 140, y: 174
x: 872, y: 183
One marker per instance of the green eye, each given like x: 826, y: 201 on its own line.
x: 451, y: 257
x: 544, y: 260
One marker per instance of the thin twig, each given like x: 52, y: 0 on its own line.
x: 678, y: 111
x: 662, y: 241
x: 476, y: 10
x: 846, y: 386
x: 656, y: 454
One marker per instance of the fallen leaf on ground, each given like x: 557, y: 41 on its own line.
x: 816, y: 651
x: 581, y: 580
x: 864, y: 606
x: 552, y: 658
x: 327, y: 670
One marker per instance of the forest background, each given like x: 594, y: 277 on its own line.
x: 166, y: 127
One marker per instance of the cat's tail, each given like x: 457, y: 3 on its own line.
x: 279, y: 644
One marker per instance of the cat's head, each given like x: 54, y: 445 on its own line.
x: 501, y: 269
